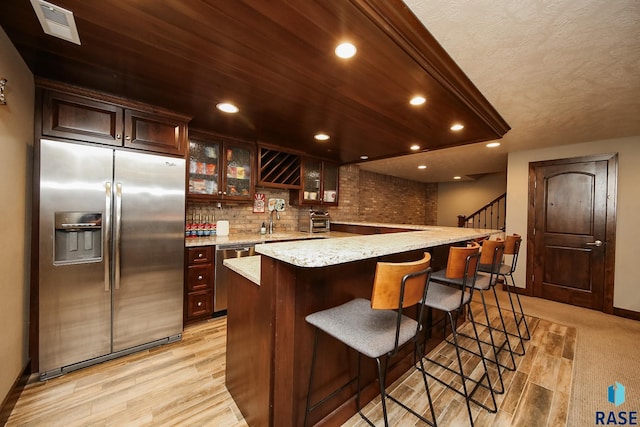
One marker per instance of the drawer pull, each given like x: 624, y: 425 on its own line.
x: 199, y: 277
x: 200, y: 255
x: 199, y: 303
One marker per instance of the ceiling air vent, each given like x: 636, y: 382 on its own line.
x: 56, y: 21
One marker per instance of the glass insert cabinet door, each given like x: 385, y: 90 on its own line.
x: 312, y: 172
x: 330, y: 183
x: 238, y: 171
x: 203, y: 167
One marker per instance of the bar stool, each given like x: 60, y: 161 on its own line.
x: 512, y: 248
x: 491, y: 257
x: 378, y: 327
x: 451, y: 291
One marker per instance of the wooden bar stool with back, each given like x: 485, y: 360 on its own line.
x: 377, y: 328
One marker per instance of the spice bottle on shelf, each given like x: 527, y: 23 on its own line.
x: 263, y: 229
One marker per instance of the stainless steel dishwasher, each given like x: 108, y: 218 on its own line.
x: 221, y: 279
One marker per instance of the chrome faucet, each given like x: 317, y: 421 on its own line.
x: 271, y: 225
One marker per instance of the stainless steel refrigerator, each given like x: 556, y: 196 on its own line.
x: 111, y: 245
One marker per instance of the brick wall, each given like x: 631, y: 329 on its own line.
x: 372, y: 197
x: 363, y: 197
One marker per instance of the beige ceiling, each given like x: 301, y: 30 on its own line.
x: 559, y: 72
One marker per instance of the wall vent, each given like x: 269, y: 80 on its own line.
x: 56, y: 21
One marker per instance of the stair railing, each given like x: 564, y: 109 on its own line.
x: 490, y: 216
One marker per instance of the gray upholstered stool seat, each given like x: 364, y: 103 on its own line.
x: 444, y: 297
x: 368, y: 331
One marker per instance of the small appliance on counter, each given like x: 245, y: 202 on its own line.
x: 222, y: 228
x: 316, y: 222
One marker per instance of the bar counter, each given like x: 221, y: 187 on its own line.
x: 269, y: 344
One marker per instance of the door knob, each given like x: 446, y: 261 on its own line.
x: 597, y: 243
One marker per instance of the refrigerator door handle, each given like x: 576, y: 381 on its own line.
x: 118, y: 227
x: 106, y: 229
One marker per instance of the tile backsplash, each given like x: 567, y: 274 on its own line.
x: 241, y: 217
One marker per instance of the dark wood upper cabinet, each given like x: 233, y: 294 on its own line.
x: 220, y: 168
x: 320, y: 180
x: 75, y: 117
x: 153, y: 132
x: 83, y: 115
x: 278, y: 168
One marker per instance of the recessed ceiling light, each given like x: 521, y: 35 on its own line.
x: 493, y: 144
x: 345, y: 50
x: 457, y: 177
x: 227, y: 107
x: 364, y: 157
x: 417, y: 100
x: 321, y: 136
x: 422, y: 167
x: 415, y: 147
x: 456, y: 127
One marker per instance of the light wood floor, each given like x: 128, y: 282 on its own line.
x: 182, y: 384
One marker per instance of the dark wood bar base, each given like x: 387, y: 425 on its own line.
x: 269, y: 343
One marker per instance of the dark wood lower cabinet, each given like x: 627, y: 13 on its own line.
x: 198, y: 292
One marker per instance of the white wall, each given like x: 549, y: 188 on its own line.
x: 16, y: 142
x: 626, y: 293
x: 466, y: 197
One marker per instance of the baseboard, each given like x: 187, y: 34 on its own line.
x: 14, y: 393
x: 514, y: 289
x: 620, y: 312
x: 629, y: 314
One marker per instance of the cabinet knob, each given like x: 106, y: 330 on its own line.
x: 118, y: 136
x: 199, y: 304
x: 128, y: 138
x: 199, y: 277
x: 200, y: 255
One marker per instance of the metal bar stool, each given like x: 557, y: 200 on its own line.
x: 378, y: 328
x: 451, y: 291
x: 506, y: 270
x: 491, y: 257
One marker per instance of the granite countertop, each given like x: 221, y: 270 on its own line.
x: 326, y: 252
x: 248, y: 267
x: 256, y: 238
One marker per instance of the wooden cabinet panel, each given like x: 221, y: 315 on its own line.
x: 152, y: 132
x: 200, y: 255
x: 319, y: 183
x: 199, y: 278
x: 198, y: 284
x: 278, y: 169
x: 81, y: 114
x: 220, y: 168
x: 200, y: 304
x: 80, y: 118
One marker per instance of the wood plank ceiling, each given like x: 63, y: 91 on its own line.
x: 275, y: 60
